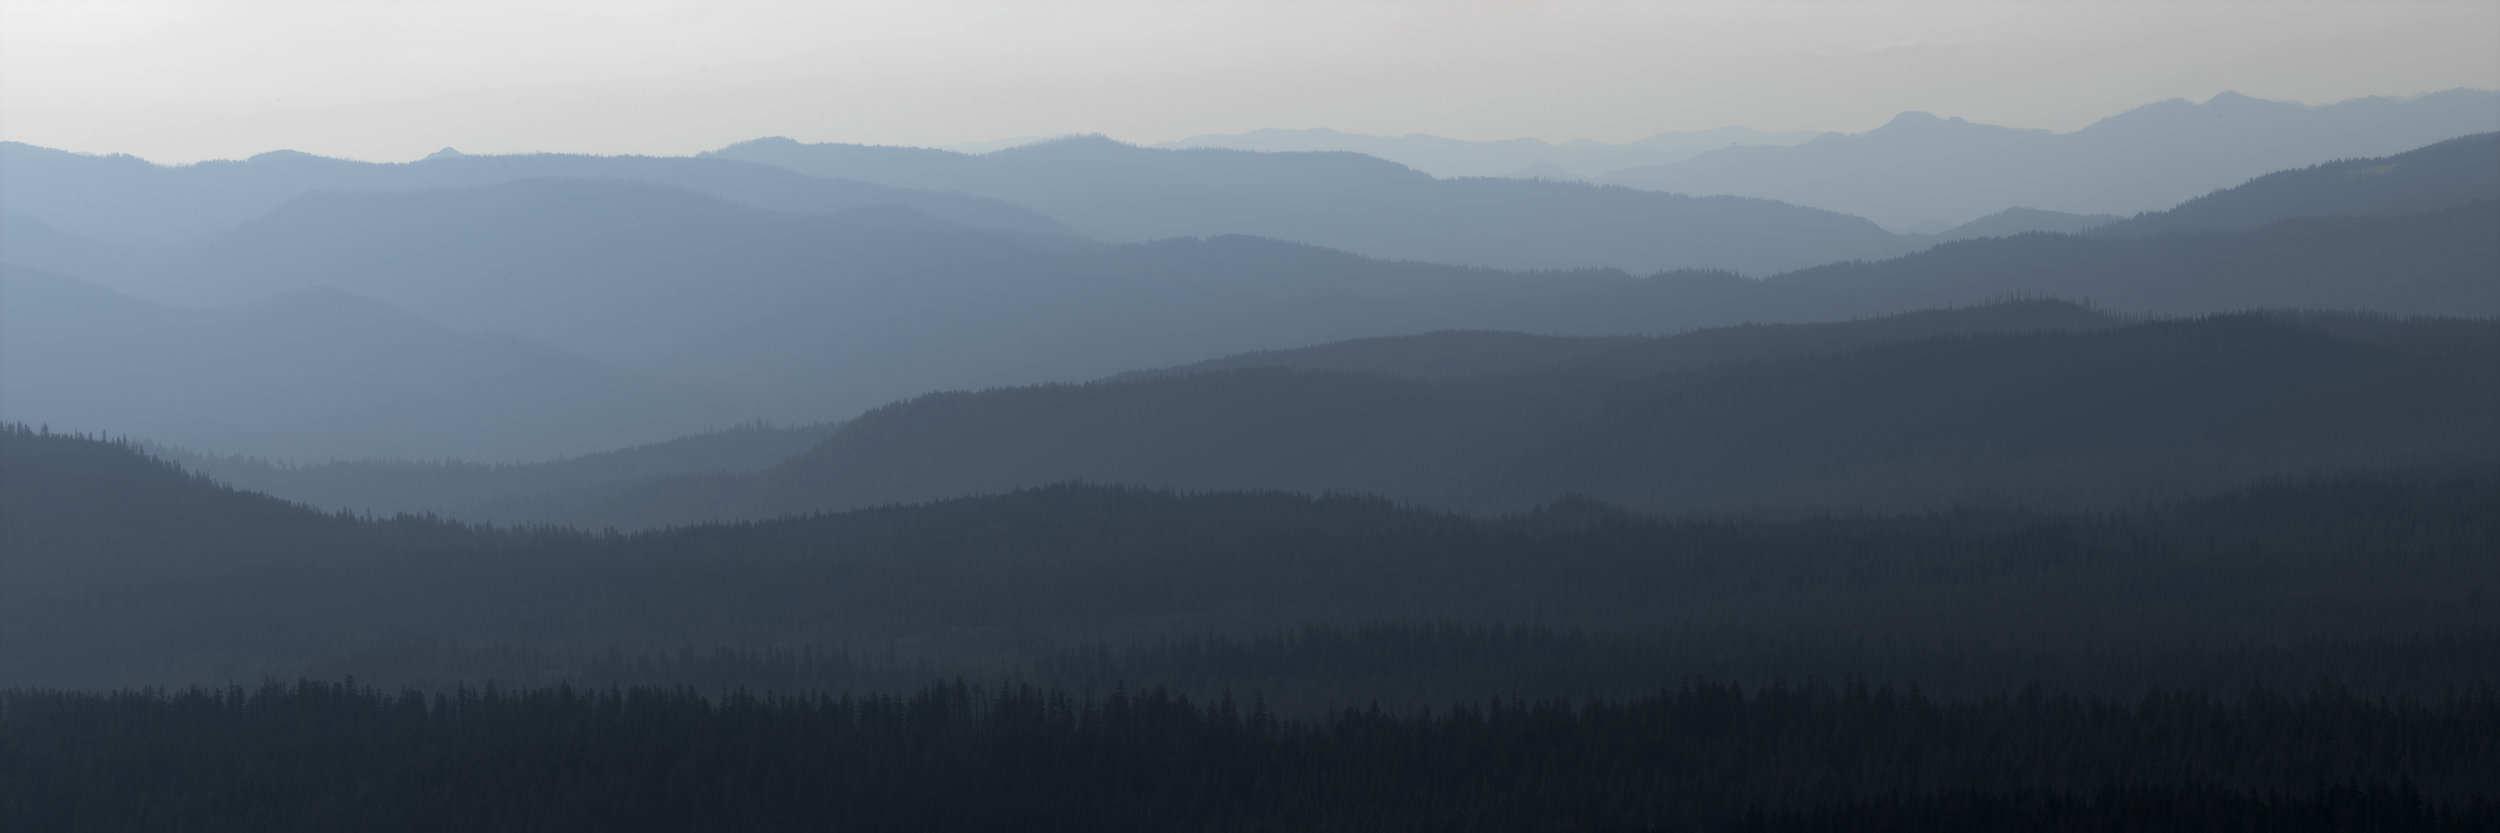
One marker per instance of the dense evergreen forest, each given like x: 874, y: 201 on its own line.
x: 1697, y: 756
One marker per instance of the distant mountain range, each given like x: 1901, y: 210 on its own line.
x: 129, y: 201
x: 1356, y: 203
x: 1524, y: 158
x: 1921, y: 168
x: 313, y: 373
x: 798, y: 318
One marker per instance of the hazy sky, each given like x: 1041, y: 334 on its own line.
x: 195, y: 79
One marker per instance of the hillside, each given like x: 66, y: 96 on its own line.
x: 1920, y: 167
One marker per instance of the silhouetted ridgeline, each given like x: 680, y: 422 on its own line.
x: 2027, y: 404
x: 129, y: 201
x: 1518, y: 158
x: 1920, y: 167
x: 1359, y: 204
x: 2451, y: 173
x: 125, y: 570
x: 1700, y: 756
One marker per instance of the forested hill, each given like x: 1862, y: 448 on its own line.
x: 235, y: 585
x: 2034, y: 404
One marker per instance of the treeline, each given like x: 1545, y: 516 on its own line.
x: 1698, y: 756
x: 1406, y: 667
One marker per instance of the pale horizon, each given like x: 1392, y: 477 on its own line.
x: 184, y: 82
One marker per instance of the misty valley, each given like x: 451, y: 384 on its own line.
x: 1936, y: 477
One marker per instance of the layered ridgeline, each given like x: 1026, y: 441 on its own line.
x: 1523, y: 158
x: 125, y: 570
x: 802, y: 318
x: 125, y: 200
x: 1357, y: 203
x: 2027, y: 404
x: 1921, y: 169
x: 2455, y: 172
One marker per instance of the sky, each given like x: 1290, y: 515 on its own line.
x: 396, y: 79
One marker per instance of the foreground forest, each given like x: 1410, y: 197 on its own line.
x: 1700, y: 755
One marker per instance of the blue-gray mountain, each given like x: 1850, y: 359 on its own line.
x: 806, y: 318
x: 1359, y: 204
x: 313, y: 374
x: 1445, y: 157
x: 1922, y: 168
x: 130, y: 201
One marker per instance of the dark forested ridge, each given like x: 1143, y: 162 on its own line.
x: 2022, y: 404
x: 957, y: 757
x: 125, y: 570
